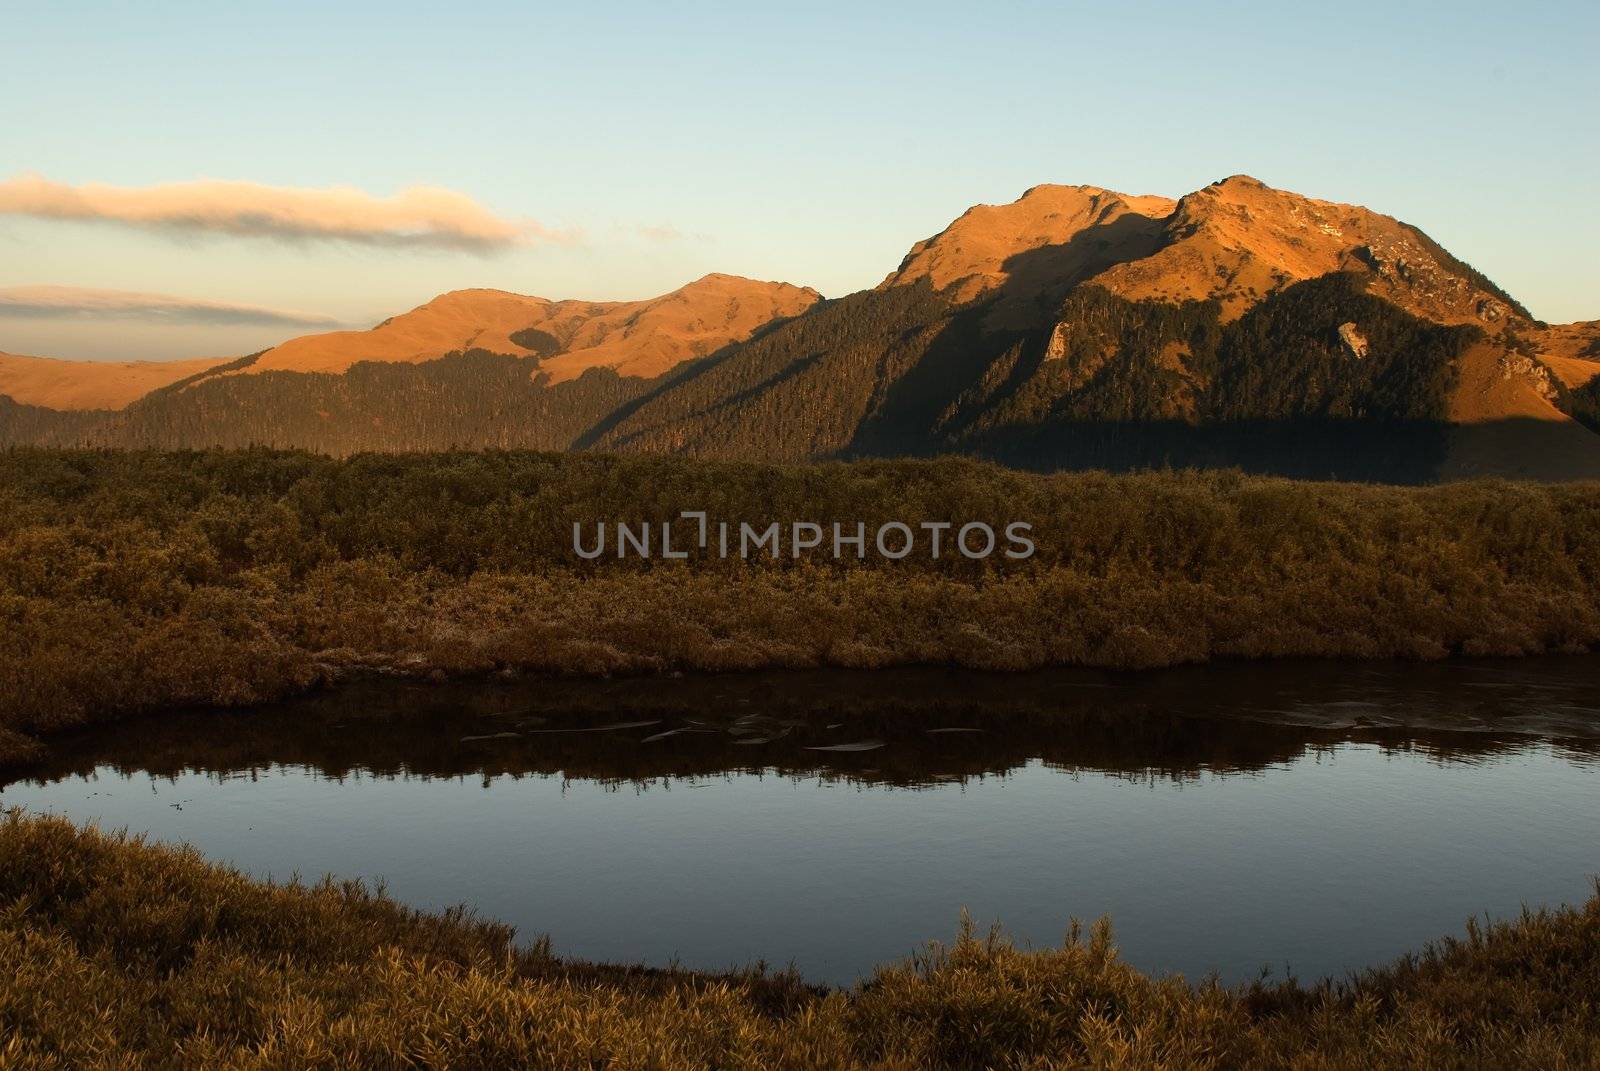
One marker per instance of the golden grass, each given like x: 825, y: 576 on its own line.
x: 140, y: 581
x: 119, y: 954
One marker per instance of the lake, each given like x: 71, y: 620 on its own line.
x: 1309, y: 818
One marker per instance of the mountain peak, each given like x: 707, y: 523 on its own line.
x: 1239, y: 181
x: 1237, y: 241
x: 740, y: 286
x: 1240, y: 240
x: 1041, y: 238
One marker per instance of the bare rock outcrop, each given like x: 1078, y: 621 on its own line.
x: 1354, y: 341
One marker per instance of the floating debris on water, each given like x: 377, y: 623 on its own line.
x: 602, y: 728
x: 859, y: 745
x: 762, y: 739
x: 673, y: 732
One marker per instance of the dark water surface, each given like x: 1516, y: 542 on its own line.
x: 1320, y: 817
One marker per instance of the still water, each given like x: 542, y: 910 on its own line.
x: 1312, y: 819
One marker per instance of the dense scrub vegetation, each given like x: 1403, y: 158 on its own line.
x: 1582, y: 403
x: 1120, y: 362
x: 491, y: 399
x: 1284, y: 359
x: 134, y: 581
x: 115, y: 954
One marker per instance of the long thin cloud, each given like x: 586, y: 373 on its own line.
x: 418, y: 216
x: 659, y: 232
x: 82, y: 303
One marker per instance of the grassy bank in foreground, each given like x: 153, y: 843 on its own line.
x: 116, y: 954
x: 133, y: 581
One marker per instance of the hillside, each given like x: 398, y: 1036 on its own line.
x: 633, y: 338
x: 1239, y: 325
x: 1248, y: 326
x: 1043, y: 243
x: 471, y: 367
x: 49, y: 383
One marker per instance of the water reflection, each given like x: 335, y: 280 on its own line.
x: 1324, y: 816
x: 909, y: 728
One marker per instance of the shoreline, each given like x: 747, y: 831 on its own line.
x: 1184, y: 690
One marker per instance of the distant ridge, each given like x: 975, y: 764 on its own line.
x: 635, y: 338
x: 1238, y: 325
x: 67, y: 385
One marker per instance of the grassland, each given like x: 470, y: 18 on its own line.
x: 140, y: 581
x: 118, y: 954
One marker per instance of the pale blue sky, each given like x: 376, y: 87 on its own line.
x: 811, y: 143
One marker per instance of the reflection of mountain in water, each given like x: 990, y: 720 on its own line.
x: 902, y: 727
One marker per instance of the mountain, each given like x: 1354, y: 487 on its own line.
x: 1239, y: 325
x: 471, y: 367
x: 633, y: 338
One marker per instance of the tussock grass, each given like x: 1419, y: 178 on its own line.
x: 134, y: 581
x: 119, y: 954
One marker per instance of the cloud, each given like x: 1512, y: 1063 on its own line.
x: 82, y: 303
x: 659, y: 232
x: 418, y: 216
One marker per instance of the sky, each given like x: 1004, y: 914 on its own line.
x: 179, y: 155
